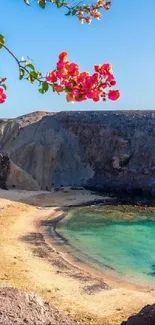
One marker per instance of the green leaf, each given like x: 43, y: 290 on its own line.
x: 27, y: 2
x: 86, y: 10
x: 74, y: 12
x: 4, y: 86
x: 45, y: 86
x: 74, y: 83
x: 2, y: 41
x: 21, y: 73
x: 30, y: 65
x: 41, y: 91
x: 68, y: 90
x: 39, y: 75
x: 42, y: 3
x: 33, y: 76
x: 59, y: 4
x: 68, y: 13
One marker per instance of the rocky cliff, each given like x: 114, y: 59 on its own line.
x: 108, y: 150
x: 146, y: 316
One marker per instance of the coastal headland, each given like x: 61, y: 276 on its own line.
x: 111, y: 151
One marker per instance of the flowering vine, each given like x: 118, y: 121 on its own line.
x: 84, y: 12
x: 81, y: 86
x: 66, y: 77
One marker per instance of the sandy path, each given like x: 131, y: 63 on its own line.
x: 28, y: 261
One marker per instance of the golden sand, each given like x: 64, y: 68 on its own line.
x: 28, y: 260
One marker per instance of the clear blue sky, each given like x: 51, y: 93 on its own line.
x: 124, y: 37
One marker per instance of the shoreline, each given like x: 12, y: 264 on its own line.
x: 61, y: 245
x: 30, y: 261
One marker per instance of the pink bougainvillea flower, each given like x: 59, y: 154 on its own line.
x: 81, y: 19
x: 95, y: 77
x: 81, y: 86
x: 52, y: 76
x: 102, y: 86
x: 106, y: 69
x: 82, y: 76
x: 88, y: 20
x: 72, y: 69
x: 97, y: 68
x: 80, y: 98
x: 107, y: 5
x: 111, y: 80
x: 90, y: 94
x: 58, y: 88
x: 2, y: 96
x: 96, y: 98
x: 63, y: 56
x: 101, y: 3
x: 70, y: 98
x: 62, y: 73
x: 95, y: 13
x: 113, y: 94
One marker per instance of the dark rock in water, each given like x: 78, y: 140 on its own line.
x: 22, y: 307
x: 145, y: 317
x: 152, y: 273
x: 110, y: 151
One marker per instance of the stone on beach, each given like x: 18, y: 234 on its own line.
x: 23, y: 307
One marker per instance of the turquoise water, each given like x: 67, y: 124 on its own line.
x: 126, y: 246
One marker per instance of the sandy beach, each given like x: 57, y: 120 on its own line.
x: 29, y: 260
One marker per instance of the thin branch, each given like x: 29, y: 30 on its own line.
x: 20, y: 66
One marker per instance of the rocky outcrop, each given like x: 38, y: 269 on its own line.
x: 111, y: 151
x: 145, y: 317
x: 12, y: 176
x: 4, y: 170
x: 21, y: 307
x: 48, y: 152
x: 20, y: 179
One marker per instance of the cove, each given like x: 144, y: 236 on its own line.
x: 121, y: 239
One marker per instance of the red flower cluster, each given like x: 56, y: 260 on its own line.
x: 81, y: 86
x: 2, y: 96
x: 87, y: 12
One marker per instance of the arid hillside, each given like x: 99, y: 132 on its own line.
x: 109, y: 150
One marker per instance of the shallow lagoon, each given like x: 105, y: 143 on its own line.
x: 119, y: 238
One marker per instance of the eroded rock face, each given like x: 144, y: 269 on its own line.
x: 20, y: 179
x: 12, y: 176
x: 111, y: 151
x: 49, y: 153
x: 21, y: 307
x: 120, y: 147
x: 145, y: 317
x: 4, y: 169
